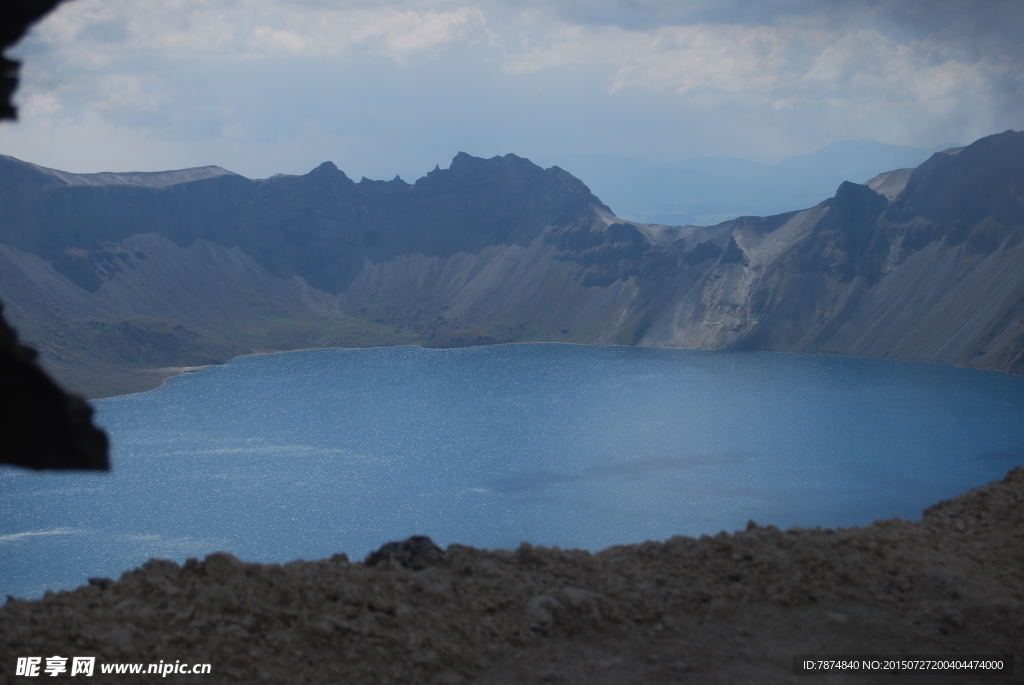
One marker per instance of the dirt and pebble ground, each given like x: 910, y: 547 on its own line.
x: 723, y: 609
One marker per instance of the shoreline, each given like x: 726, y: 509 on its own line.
x: 164, y: 373
x: 715, y: 609
x: 174, y: 371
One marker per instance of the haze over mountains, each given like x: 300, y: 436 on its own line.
x: 114, y: 274
x: 710, y: 190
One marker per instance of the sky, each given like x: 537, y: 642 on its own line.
x: 396, y: 87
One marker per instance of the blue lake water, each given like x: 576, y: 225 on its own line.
x: 302, y: 455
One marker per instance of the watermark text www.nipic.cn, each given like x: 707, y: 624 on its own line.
x: 32, y: 666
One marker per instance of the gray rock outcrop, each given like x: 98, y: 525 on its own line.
x: 118, y: 274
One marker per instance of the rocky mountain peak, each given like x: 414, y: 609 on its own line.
x: 502, y: 250
x: 325, y: 168
x: 984, y: 179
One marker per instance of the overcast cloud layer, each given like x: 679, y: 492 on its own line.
x: 268, y: 86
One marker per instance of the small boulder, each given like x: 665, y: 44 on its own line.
x: 417, y: 553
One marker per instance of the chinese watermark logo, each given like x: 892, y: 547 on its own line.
x: 32, y: 666
x: 55, y: 665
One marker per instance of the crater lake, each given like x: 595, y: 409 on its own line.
x: 306, y: 454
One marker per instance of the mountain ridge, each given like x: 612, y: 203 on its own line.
x: 708, y: 190
x: 107, y: 278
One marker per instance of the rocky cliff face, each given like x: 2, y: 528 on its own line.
x: 931, y: 274
x: 109, y: 273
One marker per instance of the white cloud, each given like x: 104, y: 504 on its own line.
x: 99, y: 29
x: 387, y: 31
x: 414, y: 81
x: 784, y: 63
x: 39, y: 105
x: 129, y: 91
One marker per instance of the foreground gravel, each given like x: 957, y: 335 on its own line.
x: 723, y: 609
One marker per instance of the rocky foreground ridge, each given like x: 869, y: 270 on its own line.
x: 723, y: 609
x: 121, y: 278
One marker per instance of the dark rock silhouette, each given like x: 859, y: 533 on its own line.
x: 416, y: 553
x: 41, y: 426
x: 15, y: 19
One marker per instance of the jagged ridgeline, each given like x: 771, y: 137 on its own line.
x: 114, y: 276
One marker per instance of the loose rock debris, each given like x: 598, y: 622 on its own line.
x: 732, y: 608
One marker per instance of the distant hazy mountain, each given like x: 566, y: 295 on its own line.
x: 113, y: 274
x: 709, y: 190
